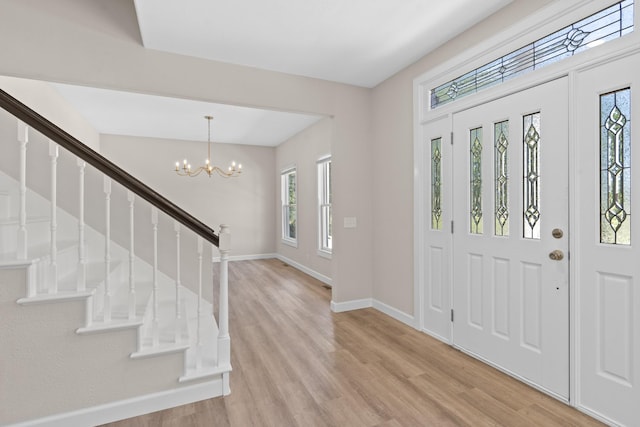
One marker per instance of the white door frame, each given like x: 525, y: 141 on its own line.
x: 537, y: 25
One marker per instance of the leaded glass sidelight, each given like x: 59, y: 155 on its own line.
x: 615, y: 172
x: 475, y: 165
x: 501, y: 175
x: 436, y: 184
x: 531, y: 179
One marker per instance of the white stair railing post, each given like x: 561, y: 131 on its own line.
x: 107, y: 250
x: 23, y: 139
x: 81, y: 284
x: 224, y: 341
x: 155, y: 325
x: 199, y: 320
x: 132, y: 283
x: 178, y: 333
x: 53, y: 257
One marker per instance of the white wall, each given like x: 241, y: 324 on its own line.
x: 244, y: 203
x: 46, y: 101
x: 303, y: 150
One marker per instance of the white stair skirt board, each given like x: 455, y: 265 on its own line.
x: 310, y: 272
x: 136, y: 406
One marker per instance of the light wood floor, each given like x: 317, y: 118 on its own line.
x: 295, y: 363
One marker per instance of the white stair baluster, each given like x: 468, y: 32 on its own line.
x: 107, y: 250
x: 178, y: 334
x: 131, y: 197
x: 82, y: 256
x: 23, y: 139
x: 224, y: 341
x: 53, y: 257
x: 199, y: 320
x: 155, y: 325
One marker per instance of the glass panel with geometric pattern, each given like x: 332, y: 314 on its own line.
x: 501, y: 175
x: 436, y: 183
x: 615, y: 172
x: 611, y: 23
x: 531, y: 179
x: 475, y: 143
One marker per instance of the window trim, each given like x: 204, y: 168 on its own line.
x: 324, y: 194
x: 285, y: 217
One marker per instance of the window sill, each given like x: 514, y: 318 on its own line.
x: 290, y: 242
x: 324, y: 254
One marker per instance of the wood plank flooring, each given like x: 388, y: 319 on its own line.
x: 295, y: 363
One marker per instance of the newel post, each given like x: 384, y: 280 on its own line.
x: 224, y: 341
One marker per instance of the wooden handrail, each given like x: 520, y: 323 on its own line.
x: 65, y: 140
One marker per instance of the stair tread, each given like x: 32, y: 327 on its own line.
x: 58, y: 297
x: 30, y: 220
x: 162, y: 348
x: 114, y: 324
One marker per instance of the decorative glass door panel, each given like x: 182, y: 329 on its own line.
x: 510, y: 272
x: 435, y: 268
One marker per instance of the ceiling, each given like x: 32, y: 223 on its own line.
x: 358, y: 42
x: 134, y: 114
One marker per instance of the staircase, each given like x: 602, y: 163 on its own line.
x: 96, y: 324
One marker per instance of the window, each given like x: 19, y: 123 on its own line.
x: 615, y: 167
x: 475, y: 170
x: 289, y: 206
x: 501, y: 175
x: 324, y: 206
x: 436, y: 184
x: 531, y: 180
x: 608, y: 24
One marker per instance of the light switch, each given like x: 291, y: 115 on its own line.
x: 350, y: 222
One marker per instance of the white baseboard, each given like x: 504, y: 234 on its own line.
x: 395, y: 313
x: 304, y: 269
x: 128, y: 408
x: 340, y: 307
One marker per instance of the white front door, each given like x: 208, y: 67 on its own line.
x: 511, y: 236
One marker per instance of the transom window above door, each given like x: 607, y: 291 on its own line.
x: 608, y: 24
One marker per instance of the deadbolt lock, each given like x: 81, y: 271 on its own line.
x: 557, y: 233
x: 556, y: 255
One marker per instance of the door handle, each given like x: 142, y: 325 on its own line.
x: 556, y: 255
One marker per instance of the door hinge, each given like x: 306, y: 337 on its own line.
x: 451, y: 138
x: 452, y: 314
x: 451, y: 227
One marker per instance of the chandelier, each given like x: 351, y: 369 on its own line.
x: 185, y: 170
